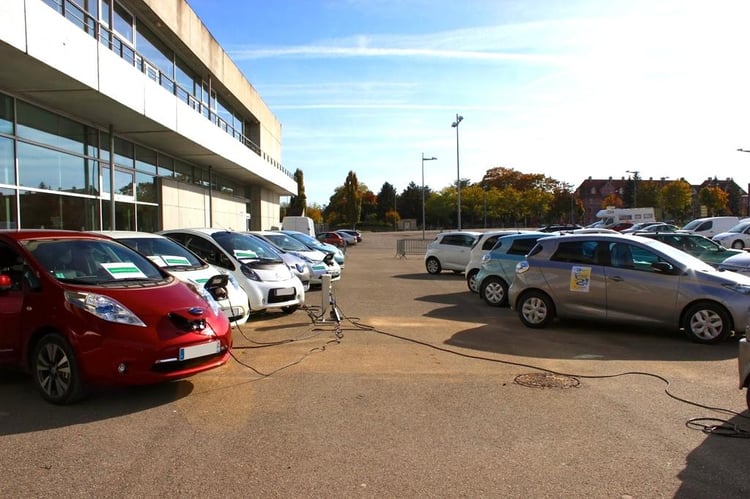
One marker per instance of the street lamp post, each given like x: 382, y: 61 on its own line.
x: 458, y: 169
x: 433, y: 158
x: 635, y: 186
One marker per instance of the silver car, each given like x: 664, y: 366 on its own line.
x: 622, y: 278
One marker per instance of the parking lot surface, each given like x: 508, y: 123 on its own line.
x: 422, y: 390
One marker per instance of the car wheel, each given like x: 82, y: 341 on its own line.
x: 738, y: 244
x: 471, y: 280
x: 707, y: 323
x: 535, y: 309
x: 55, y: 370
x: 494, y: 291
x: 289, y: 309
x: 433, y: 265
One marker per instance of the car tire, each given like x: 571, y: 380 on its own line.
x: 290, y: 309
x: 55, y: 370
x: 535, y: 309
x: 471, y: 280
x: 433, y: 265
x: 738, y: 244
x: 494, y: 291
x: 707, y: 322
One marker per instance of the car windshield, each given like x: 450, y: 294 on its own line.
x: 286, y: 242
x: 164, y: 252
x: 739, y: 228
x: 245, y: 247
x: 91, y: 261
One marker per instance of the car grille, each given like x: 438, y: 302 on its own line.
x: 179, y: 365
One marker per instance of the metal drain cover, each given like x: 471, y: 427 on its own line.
x: 546, y: 380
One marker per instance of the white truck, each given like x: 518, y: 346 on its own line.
x: 305, y: 225
x: 611, y: 216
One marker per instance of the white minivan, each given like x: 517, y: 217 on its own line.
x: 710, y: 226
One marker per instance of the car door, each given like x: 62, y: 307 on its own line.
x: 576, y: 279
x: 11, y: 303
x: 635, y: 290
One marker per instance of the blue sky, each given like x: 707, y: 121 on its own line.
x: 569, y: 89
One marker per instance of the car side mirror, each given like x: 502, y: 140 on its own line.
x: 664, y: 267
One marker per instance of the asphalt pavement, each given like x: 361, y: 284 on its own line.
x: 420, y: 390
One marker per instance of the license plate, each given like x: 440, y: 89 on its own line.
x: 285, y: 292
x: 196, y: 351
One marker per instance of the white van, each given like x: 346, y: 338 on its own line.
x: 710, y: 226
x: 299, y: 224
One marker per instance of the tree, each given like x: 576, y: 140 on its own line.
x: 714, y: 199
x: 386, y: 200
x: 675, y: 199
x: 298, y: 203
x: 352, y: 199
x: 612, y: 200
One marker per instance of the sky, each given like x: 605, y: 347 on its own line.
x: 569, y: 89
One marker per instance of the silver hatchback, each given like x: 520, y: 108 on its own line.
x: 615, y: 277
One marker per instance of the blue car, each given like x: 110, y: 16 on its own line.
x: 498, y: 267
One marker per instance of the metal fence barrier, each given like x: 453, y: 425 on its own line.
x: 411, y: 247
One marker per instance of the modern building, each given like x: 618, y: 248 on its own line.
x: 127, y: 114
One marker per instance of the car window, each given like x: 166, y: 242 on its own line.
x: 164, y: 252
x: 522, y: 246
x: 205, y: 250
x: 489, y: 243
x: 576, y: 252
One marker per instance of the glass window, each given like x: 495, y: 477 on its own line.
x: 145, y: 160
x: 124, y: 155
x: 148, y: 218
x: 166, y: 166
x: 183, y: 172
x: 7, y: 209
x: 47, y: 169
x: 155, y: 52
x: 145, y: 187
x: 106, y: 182
x: 123, y: 183
x: 47, y: 128
x: 42, y: 210
x: 6, y: 114
x: 576, y: 252
x: 124, y: 216
x: 123, y: 23
x: 7, y: 162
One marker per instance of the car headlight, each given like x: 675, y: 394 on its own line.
x: 742, y: 289
x: 103, y: 307
x: 250, y: 273
x: 206, y: 295
x: 300, y: 268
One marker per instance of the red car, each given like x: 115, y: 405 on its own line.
x: 331, y: 238
x: 81, y: 310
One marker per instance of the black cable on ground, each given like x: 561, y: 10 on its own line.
x: 717, y: 427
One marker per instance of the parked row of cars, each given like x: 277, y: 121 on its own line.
x: 675, y: 280
x: 85, y: 309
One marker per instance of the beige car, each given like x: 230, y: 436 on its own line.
x: 620, y: 278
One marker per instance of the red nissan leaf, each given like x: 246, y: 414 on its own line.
x: 80, y: 310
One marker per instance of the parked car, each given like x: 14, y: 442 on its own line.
x: 621, y: 226
x: 263, y: 275
x: 739, y: 261
x: 333, y: 238
x: 450, y: 251
x: 710, y: 226
x: 296, y: 264
x: 188, y: 267
x: 313, y: 243
x: 357, y: 234
x: 743, y: 359
x: 558, y: 227
x: 614, y: 277
x: 349, y: 238
x: 699, y: 246
x: 498, y: 266
x: 737, y: 237
x: 652, y: 227
x: 81, y: 310
x: 482, y: 245
x: 319, y: 262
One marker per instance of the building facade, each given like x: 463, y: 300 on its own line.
x: 127, y: 114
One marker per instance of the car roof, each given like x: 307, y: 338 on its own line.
x: 24, y: 234
x: 129, y: 234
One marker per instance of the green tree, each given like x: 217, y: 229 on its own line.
x: 352, y: 199
x: 675, y: 199
x: 298, y: 203
x: 714, y: 199
x: 386, y: 200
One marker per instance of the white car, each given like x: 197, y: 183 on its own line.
x: 320, y: 262
x: 450, y: 250
x: 738, y: 237
x: 484, y: 243
x: 266, y: 279
x: 187, y: 267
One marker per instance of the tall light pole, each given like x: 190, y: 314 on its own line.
x: 635, y: 186
x: 433, y: 158
x: 458, y: 169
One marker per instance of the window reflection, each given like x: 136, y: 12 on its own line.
x: 7, y: 208
x: 7, y: 165
x: 41, y: 210
x: 47, y: 169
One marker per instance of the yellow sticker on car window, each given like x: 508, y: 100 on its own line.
x: 580, y: 279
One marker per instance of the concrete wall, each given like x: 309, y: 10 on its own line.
x: 187, y: 205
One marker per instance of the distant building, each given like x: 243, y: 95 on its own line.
x: 127, y: 114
